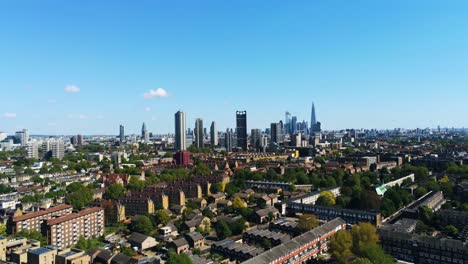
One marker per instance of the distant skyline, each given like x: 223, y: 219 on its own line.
x: 87, y: 67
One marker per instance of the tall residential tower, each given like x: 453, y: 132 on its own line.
x: 241, y: 129
x: 180, y: 131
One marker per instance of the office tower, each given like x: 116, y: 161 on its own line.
x: 199, y: 133
x: 33, y: 150
x: 305, y: 126
x: 146, y: 137
x: 214, y: 134
x: 143, y: 130
x: 205, y: 133
x: 293, y: 129
x: 58, y: 149
x: 264, y: 142
x: 313, y: 120
x: 296, y: 140
x: 79, y: 139
x: 276, y: 132
x: 241, y: 129
x: 74, y: 140
x: 229, y: 140
x: 255, y: 138
x: 180, y: 131
x: 287, y: 122
x: 122, y: 134
x: 22, y: 137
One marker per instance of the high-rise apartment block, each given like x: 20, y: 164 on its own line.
x: 180, y: 131
x: 241, y: 129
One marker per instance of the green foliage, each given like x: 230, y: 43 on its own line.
x: 85, y: 244
x: 142, y: 224
x: 128, y: 251
x: 36, y: 235
x: 326, y: 199
x: 6, y: 189
x: 361, y: 261
x: 363, y: 235
x: 201, y: 169
x: 162, y: 217
x: 115, y: 191
x: 266, y: 244
x: 450, y: 230
x: 307, y: 222
x: 223, y: 230
x: 419, y: 192
x: 135, y: 184
x: 340, y: 246
x: 79, y: 195
x: 394, y: 199
x: 174, y: 174
x: 3, y: 229
x: 194, y: 149
x: 376, y: 255
x: 174, y: 258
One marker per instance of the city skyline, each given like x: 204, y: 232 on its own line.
x: 365, y: 65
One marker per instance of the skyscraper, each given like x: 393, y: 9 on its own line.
x: 180, y: 133
x: 33, y: 150
x: 241, y: 129
x: 276, y: 132
x: 313, y: 120
x: 214, y: 134
x: 229, y: 140
x: 143, y: 130
x: 122, y: 133
x: 255, y: 138
x: 287, y: 122
x: 199, y: 133
x: 22, y: 137
x: 58, y: 149
x: 293, y: 129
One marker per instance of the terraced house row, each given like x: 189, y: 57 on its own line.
x: 301, y: 248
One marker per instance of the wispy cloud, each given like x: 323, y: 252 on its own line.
x: 78, y: 116
x: 160, y: 92
x: 72, y: 88
x: 147, y: 109
x: 9, y: 115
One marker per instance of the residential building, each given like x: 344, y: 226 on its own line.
x: 43, y: 255
x: 72, y: 256
x: 182, y: 157
x: 58, y: 149
x: 33, y: 221
x: 33, y: 150
x: 140, y: 241
x: 66, y: 230
x: 303, y: 248
x: 121, y: 133
x: 180, y: 131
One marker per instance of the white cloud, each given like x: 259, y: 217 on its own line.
x: 72, y: 88
x: 147, y: 109
x: 9, y: 115
x: 160, y: 92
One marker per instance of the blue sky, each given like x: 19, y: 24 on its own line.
x: 371, y: 64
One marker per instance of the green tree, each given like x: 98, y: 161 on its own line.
x: 361, y: 261
x: 128, y: 251
x: 142, y: 224
x: 376, y: 255
x: 135, y: 184
x: 115, y: 191
x: 307, y: 222
x: 80, y: 198
x: 450, y: 230
x: 162, y: 217
x: 238, y: 203
x: 363, y: 234
x: 266, y: 244
x: 3, y: 231
x: 33, y: 234
x: 340, y: 246
x: 174, y: 258
x: 326, y: 198
x: 223, y: 230
x: 85, y: 244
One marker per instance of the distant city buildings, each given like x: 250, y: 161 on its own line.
x: 22, y: 137
x: 58, y: 149
x: 241, y: 129
x: 199, y: 133
x: 180, y: 131
x: 229, y: 140
x: 255, y: 138
x: 122, y: 134
x: 214, y: 134
x: 33, y: 150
